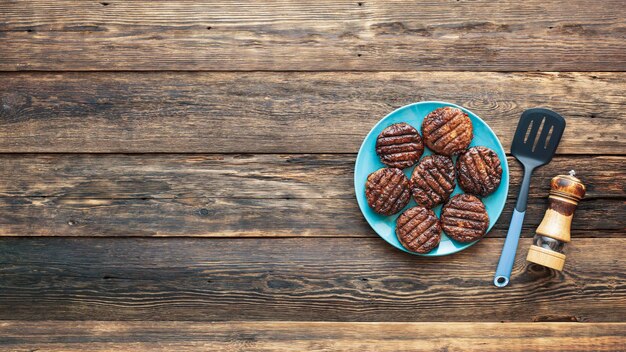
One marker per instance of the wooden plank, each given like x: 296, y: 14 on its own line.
x: 323, y: 35
x: 303, y: 279
x: 245, y: 195
x: 50, y: 336
x: 265, y: 176
x: 248, y: 217
x: 286, y: 112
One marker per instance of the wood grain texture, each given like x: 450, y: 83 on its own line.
x: 264, y: 176
x: 248, y: 148
x: 342, y: 279
x: 285, y: 112
x: 245, y: 195
x: 51, y: 336
x: 322, y: 35
x: 248, y: 217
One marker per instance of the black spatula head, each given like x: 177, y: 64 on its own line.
x: 537, y: 137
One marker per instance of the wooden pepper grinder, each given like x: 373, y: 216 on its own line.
x: 554, y: 230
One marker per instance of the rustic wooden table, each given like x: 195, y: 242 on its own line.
x: 177, y: 175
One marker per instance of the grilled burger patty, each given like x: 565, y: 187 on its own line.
x: 418, y: 229
x: 447, y: 131
x: 387, y: 191
x: 433, y: 180
x: 399, y: 145
x: 464, y: 218
x: 479, y: 171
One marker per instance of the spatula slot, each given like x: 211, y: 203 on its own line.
x: 530, y: 126
x: 536, y: 139
x: 545, y: 145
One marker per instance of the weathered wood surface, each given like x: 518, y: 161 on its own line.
x: 249, y: 217
x: 531, y: 35
x: 267, y: 152
x: 50, y: 336
x: 245, y: 195
x: 263, y: 112
x: 343, y: 279
x: 282, y: 176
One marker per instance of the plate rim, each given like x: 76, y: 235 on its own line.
x: 362, y: 149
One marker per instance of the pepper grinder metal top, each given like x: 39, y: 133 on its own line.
x: 554, y: 231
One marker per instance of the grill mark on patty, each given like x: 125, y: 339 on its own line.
x: 443, y: 123
x: 432, y: 230
x: 416, y: 220
x: 428, y: 194
x: 378, y: 187
x: 479, y: 171
x: 442, y: 174
x: 466, y: 206
x: 401, y: 154
x: 399, y: 145
x: 421, y: 185
x: 450, y: 145
x: 471, y: 210
x: 424, y: 247
x: 464, y: 229
x: 388, y: 147
x: 482, y: 171
x: 420, y: 223
x: 447, y: 133
x: 451, y: 139
x: 447, y: 130
x: 440, y: 190
x: 418, y: 229
x: 424, y: 233
x: 491, y: 167
x: 460, y: 213
x: 431, y: 180
x: 468, y: 131
x: 432, y: 234
x: 452, y: 124
x: 473, y: 177
x: 393, y: 139
x: 424, y: 213
x: 387, y: 190
x: 411, y: 231
x: 397, y: 195
x: 391, y: 192
x: 465, y: 218
x: 445, y: 173
x: 479, y: 223
x: 406, y: 193
x: 420, y: 239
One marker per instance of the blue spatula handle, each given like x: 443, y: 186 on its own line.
x: 507, y: 258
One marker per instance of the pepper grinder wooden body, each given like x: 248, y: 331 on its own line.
x: 554, y: 231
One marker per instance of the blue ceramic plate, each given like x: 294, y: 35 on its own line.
x: 367, y: 162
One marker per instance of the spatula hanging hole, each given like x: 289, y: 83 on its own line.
x: 536, y: 141
x: 530, y: 127
x: 501, y: 281
x: 548, y: 138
